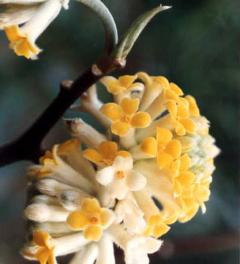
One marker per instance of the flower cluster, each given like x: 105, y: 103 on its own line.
x: 100, y: 189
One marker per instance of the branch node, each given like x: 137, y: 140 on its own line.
x: 66, y: 84
x: 96, y: 70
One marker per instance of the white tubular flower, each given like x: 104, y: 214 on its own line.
x: 120, y: 178
x: 36, y: 20
x: 152, y: 167
x: 87, y: 256
x: 128, y: 212
x: 138, y: 248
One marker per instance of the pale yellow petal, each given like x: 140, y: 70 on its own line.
x: 176, y: 89
x: 185, y: 162
x: 93, y: 233
x: 90, y: 205
x: 172, y: 108
x: 130, y: 106
x: 120, y: 128
x: 127, y: 80
x: 149, y: 146
x: 108, y: 150
x: 77, y: 220
x: 93, y: 156
x: 164, y: 160
x: 174, y: 148
x: 189, y: 125
x: 112, y: 111
x: 183, y: 108
x: 113, y: 85
x: 160, y: 229
x: 41, y: 238
x: 164, y: 136
x: 193, y: 107
x: 163, y: 81
x: 141, y: 120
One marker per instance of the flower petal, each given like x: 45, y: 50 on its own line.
x: 174, y: 148
x: 176, y: 89
x: 127, y: 80
x: 106, y: 217
x: 141, y: 120
x: 160, y: 229
x: 120, y: 128
x: 93, y: 156
x: 90, y: 205
x: 93, y: 233
x: 108, y: 150
x: 183, y: 108
x: 113, y: 85
x: 77, y: 220
x: 188, y: 125
x: 41, y: 238
x: 149, y: 146
x: 129, y: 105
x: 164, y: 160
x: 136, y: 181
x: 185, y: 162
x: 106, y: 175
x: 112, y: 111
x: 193, y: 107
x: 123, y: 164
x: 164, y: 136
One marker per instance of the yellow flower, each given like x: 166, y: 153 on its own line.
x: 181, y: 111
x: 116, y: 86
x: 125, y: 116
x: 156, y: 227
x: 20, y: 43
x: 45, y: 249
x: 23, y: 30
x: 105, y: 154
x: 164, y: 147
x: 183, y: 182
x: 91, y: 218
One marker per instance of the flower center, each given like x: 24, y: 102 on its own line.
x: 93, y: 220
x: 126, y: 119
x: 120, y: 175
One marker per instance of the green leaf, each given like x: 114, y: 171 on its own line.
x: 125, y: 45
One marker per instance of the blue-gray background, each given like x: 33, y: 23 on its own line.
x: 197, y: 45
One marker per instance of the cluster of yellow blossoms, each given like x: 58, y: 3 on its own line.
x: 100, y: 189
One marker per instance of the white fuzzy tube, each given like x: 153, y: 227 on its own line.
x: 86, y: 133
x: 106, y: 251
x: 46, y: 213
x: 69, y: 244
x: 87, y: 255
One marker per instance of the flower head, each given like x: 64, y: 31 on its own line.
x: 97, y: 189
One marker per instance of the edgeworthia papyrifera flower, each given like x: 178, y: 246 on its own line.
x: 99, y: 189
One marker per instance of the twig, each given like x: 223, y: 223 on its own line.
x: 28, y: 145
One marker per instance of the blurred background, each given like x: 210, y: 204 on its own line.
x: 195, y: 44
